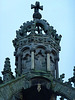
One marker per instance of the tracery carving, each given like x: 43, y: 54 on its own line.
x: 40, y: 59
x: 37, y: 25
x: 26, y: 61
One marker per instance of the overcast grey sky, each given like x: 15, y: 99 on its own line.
x: 59, y: 13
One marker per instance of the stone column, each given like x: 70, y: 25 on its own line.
x: 57, y: 69
x: 48, y: 61
x: 19, y: 64
x: 32, y: 58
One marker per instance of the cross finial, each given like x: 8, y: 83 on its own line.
x: 36, y: 8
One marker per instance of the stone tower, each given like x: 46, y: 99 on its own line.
x: 37, y: 47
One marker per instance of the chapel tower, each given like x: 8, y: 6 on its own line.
x: 37, y: 47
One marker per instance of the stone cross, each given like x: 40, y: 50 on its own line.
x: 36, y: 7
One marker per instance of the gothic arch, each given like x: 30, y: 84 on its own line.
x: 41, y: 77
x: 25, y: 48
x: 53, y: 52
x: 41, y: 46
x: 40, y: 49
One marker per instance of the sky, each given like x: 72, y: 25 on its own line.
x: 59, y: 13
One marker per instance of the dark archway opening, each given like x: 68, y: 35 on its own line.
x: 33, y: 94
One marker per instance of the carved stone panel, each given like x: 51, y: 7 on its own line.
x: 40, y: 60
x: 26, y: 62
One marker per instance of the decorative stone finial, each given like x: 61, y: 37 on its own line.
x: 36, y: 7
x: 72, y: 79
x: 7, y: 74
x: 7, y: 66
x: 61, y: 77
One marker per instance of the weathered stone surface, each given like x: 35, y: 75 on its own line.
x: 9, y: 89
x: 37, y: 47
x: 64, y: 90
